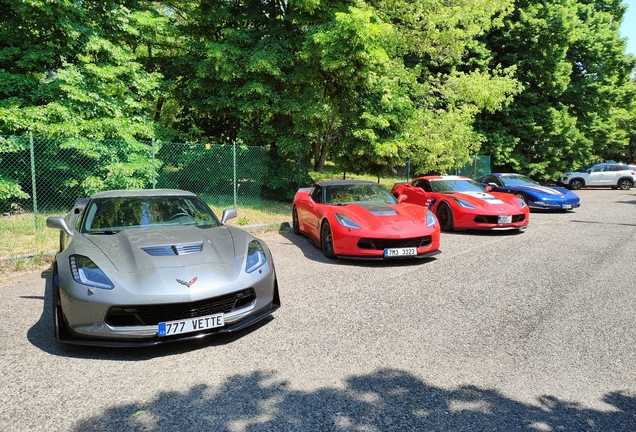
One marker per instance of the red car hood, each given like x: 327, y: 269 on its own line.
x: 399, y: 220
x: 493, y: 201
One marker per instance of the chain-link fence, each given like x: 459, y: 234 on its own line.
x: 48, y: 175
x: 479, y: 166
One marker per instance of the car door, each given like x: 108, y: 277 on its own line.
x: 312, y: 214
x: 416, y: 193
x: 611, y: 175
x: 596, y: 176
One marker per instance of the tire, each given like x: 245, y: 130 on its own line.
x: 295, y: 224
x: 445, y: 217
x: 625, y: 184
x: 56, y: 309
x: 522, y: 197
x: 576, y: 184
x: 326, y: 240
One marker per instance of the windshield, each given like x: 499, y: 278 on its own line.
x: 517, y: 180
x: 456, y: 185
x: 351, y: 193
x: 115, y: 214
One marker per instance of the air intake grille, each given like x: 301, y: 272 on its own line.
x: 154, y: 314
x: 171, y: 250
x: 380, y: 244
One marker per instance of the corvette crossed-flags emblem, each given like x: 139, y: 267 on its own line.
x: 193, y: 280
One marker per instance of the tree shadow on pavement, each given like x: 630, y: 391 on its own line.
x: 387, y: 400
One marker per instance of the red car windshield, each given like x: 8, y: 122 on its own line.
x: 455, y: 185
x: 352, y: 193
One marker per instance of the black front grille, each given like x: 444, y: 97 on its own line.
x: 381, y: 244
x: 154, y: 314
x: 495, y: 219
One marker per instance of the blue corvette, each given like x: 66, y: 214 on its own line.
x: 535, y: 195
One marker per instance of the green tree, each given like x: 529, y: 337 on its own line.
x: 574, y: 72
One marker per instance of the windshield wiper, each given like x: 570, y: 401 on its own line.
x: 102, y: 232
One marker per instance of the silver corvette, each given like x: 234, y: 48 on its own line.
x: 150, y: 266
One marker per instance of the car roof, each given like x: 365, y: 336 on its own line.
x: 343, y: 182
x: 443, y: 177
x: 142, y: 193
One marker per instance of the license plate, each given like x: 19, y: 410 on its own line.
x: 566, y: 206
x: 505, y: 219
x: 399, y: 252
x: 170, y: 328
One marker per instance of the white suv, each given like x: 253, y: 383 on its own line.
x: 613, y: 175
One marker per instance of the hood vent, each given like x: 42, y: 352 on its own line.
x: 378, y: 208
x: 172, y: 250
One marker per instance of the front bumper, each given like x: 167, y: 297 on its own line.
x: 86, y: 322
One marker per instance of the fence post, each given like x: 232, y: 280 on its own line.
x: 154, y: 166
x: 34, y: 189
x: 234, y: 148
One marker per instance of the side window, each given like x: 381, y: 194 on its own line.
x: 316, y: 194
x: 613, y: 168
x: 426, y: 185
x: 491, y: 179
x: 597, y: 168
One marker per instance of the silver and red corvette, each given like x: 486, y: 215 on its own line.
x: 461, y: 203
x: 150, y: 266
x: 361, y: 219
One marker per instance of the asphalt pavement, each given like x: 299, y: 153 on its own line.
x: 502, y: 331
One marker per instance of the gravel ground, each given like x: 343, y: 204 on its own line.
x: 533, y: 331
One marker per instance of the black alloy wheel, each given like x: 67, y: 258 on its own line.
x: 56, y: 308
x: 295, y: 224
x: 445, y: 217
x: 576, y: 184
x: 625, y: 184
x: 326, y: 240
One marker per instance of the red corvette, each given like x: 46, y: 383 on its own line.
x: 460, y: 203
x: 361, y: 219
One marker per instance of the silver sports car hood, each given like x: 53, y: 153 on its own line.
x: 141, y: 249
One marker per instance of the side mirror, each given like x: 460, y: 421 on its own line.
x: 402, y: 198
x: 57, y: 222
x: 228, y: 214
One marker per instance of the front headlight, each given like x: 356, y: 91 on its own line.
x: 86, y: 272
x: 346, y: 221
x: 255, y: 256
x: 431, y: 220
x: 522, y: 202
x: 464, y: 204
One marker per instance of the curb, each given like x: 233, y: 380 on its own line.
x: 279, y: 226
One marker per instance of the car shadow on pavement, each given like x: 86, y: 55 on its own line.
x: 386, y: 400
x: 41, y: 336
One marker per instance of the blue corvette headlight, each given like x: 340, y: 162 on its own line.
x: 255, y: 256
x: 464, y: 204
x: 346, y: 221
x: 431, y: 220
x: 86, y: 272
